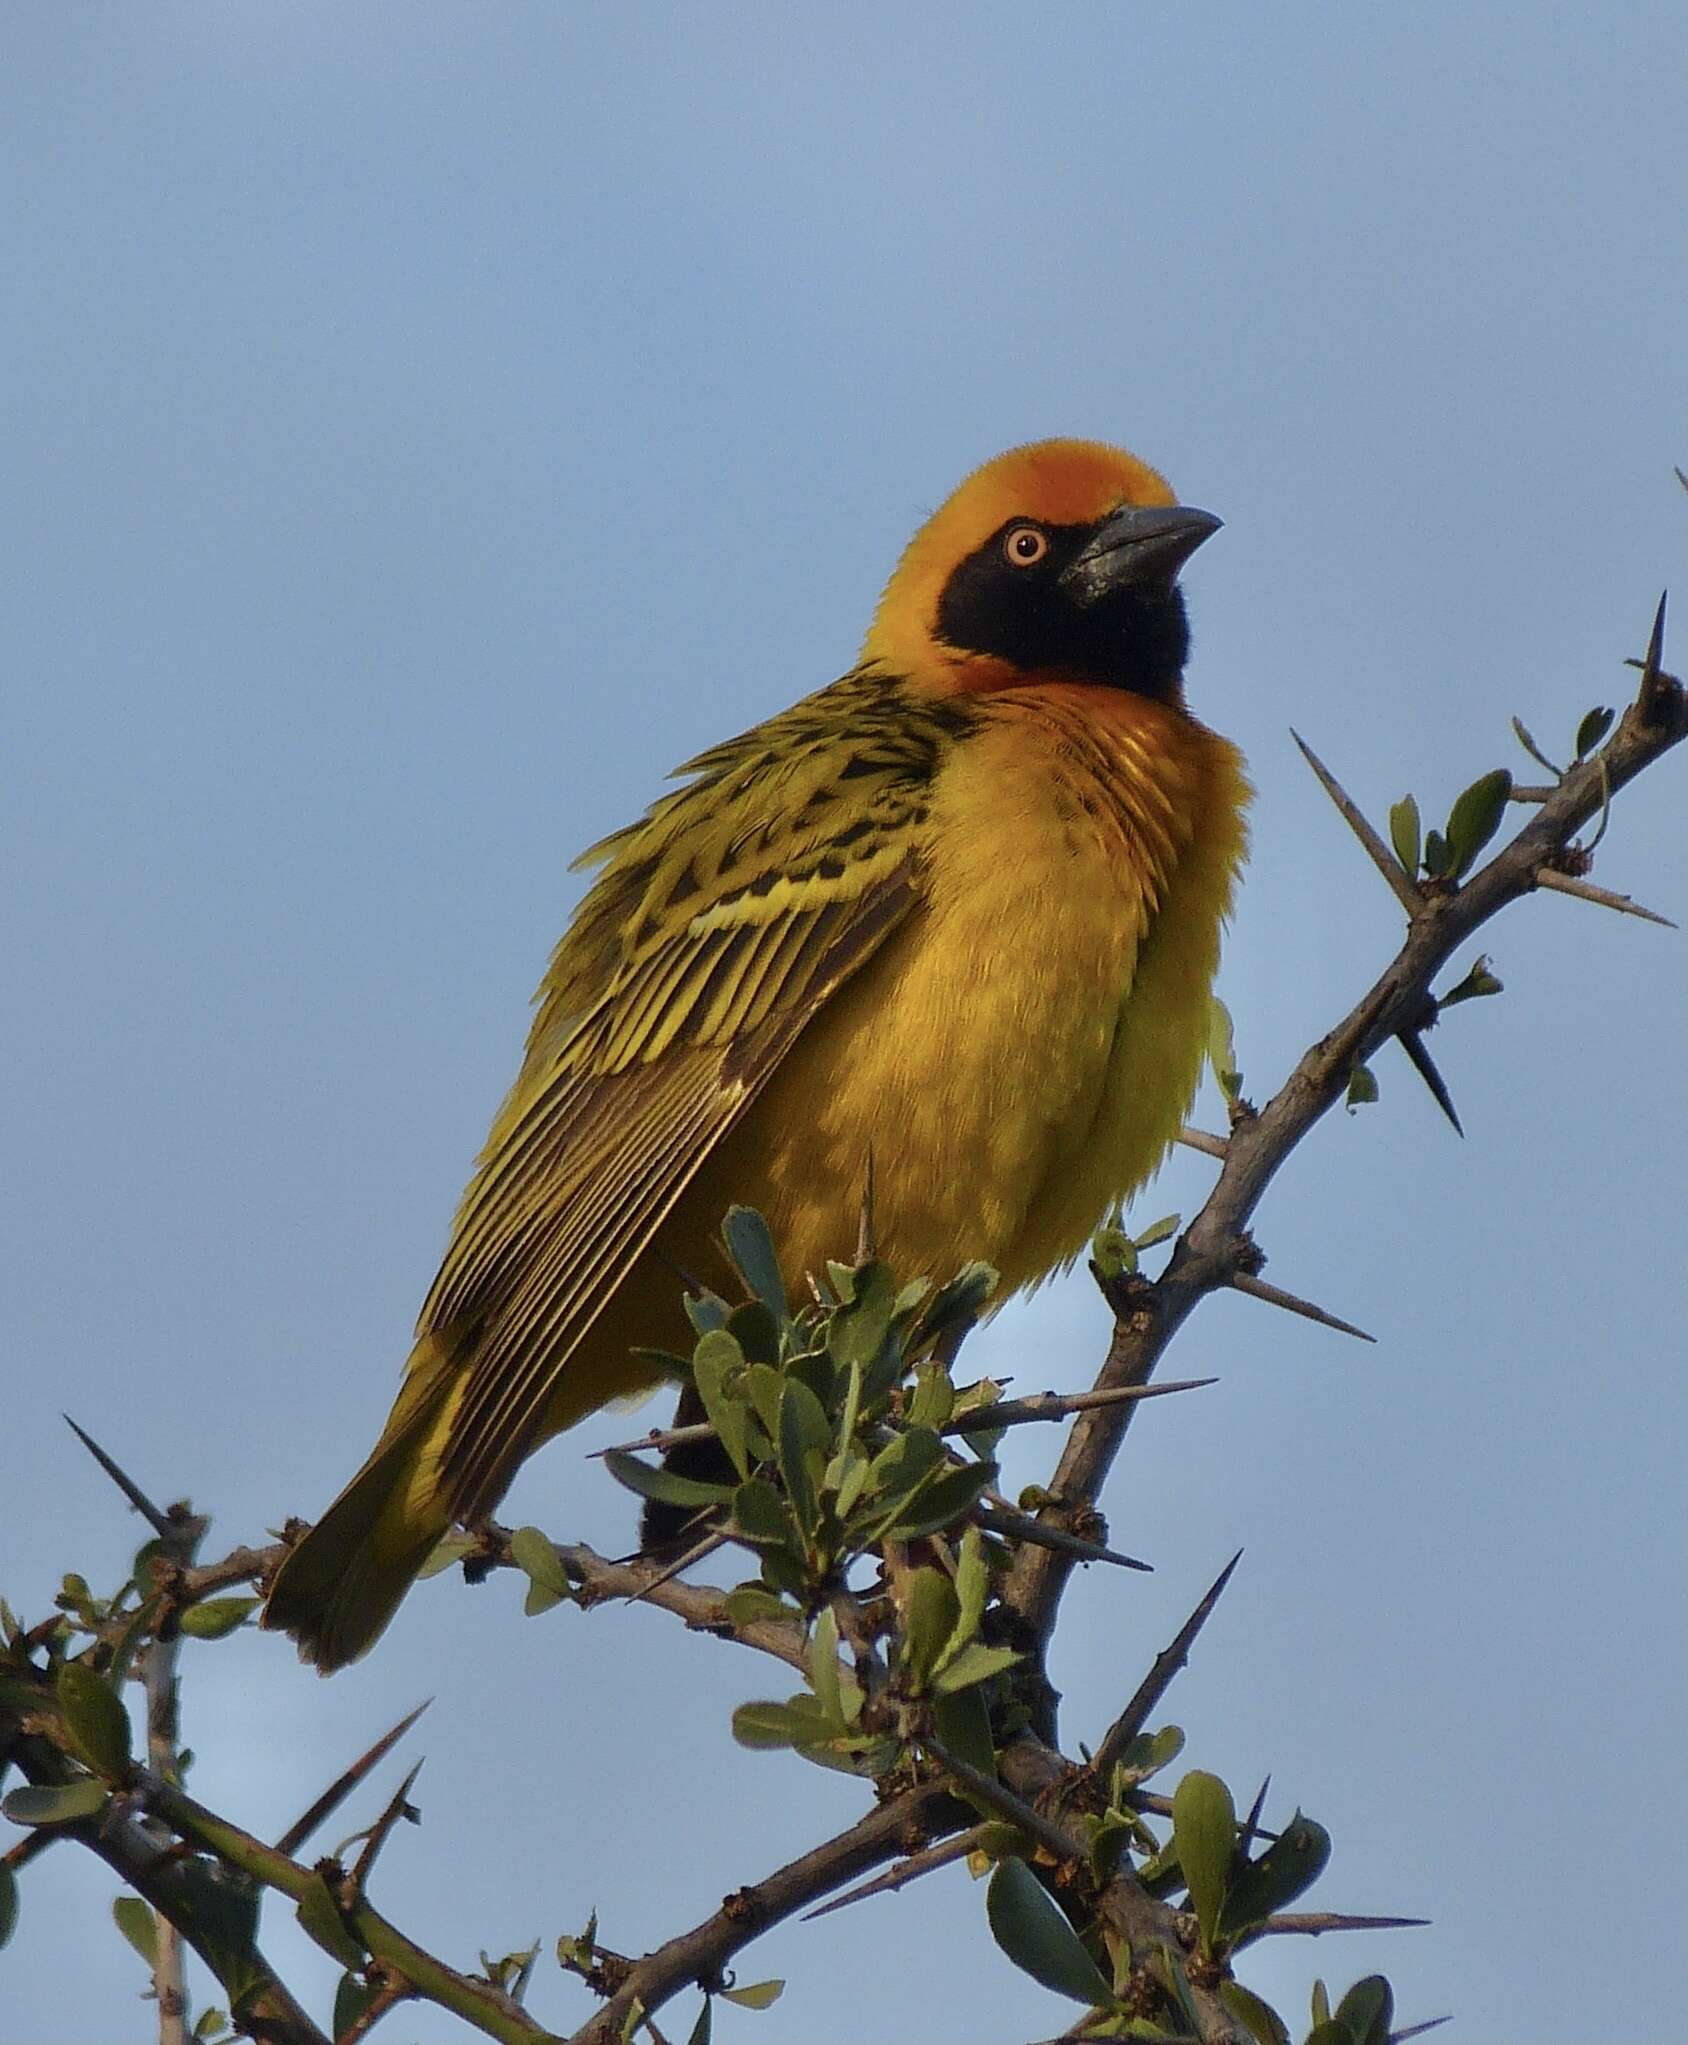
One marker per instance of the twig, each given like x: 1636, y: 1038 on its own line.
x: 1202, y: 1140
x: 988, y: 1790
x: 700, y: 1954
x: 927, y: 1861
x: 477, y: 2001
x: 1153, y: 1687
x: 978, y: 1420
x: 1401, y: 883
x: 1204, y: 1259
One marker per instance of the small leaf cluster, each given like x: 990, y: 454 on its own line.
x: 1230, y: 1894
x: 1448, y: 855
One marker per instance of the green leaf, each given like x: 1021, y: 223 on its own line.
x: 1332, y: 2033
x: 1594, y: 727
x: 750, y: 1602
x: 213, y: 2023
x: 803, y: 1439
x: 755, y: 1994
x: 1368, y: 2011
x: 929, y: 1616
x: 955, y: 1305
x: 701, y: 2030
x: 961, y: 1722
x: 1159, y: 1231
x: 705, y: 1310
x: 8, y: 1903
x: 857, y: 1331
x: 1321, y: 1995
x: 759, y: 1513
x: 932, y: 1400
x: 1404, y: 834
x: 1222, y: 1049
x: 320, y: 1919
x: 824, y: 1675
x: 751, y: 1248
x: 941, y: 1502
x: 1438, y: 855
x: 351, y: 1999
x: 452, y: 1549
x: 756, y: 1331
x: 225, y: 1913
x: 1478, y: 982
x: 1475, y: 818
x: 972, y: 1589
x: 1362, y: 1087
x: 1204, y: 1835
x: 717, y: 1363
x: 548, y: 1581
x: 1147, y: 1755
x: 218, y: 1617
x: 975, y: 1664
x: 96, y: 1721
x: 766, y: 1723
x: 667, y: 1487
x: 1263, y: 2022
x: 902, y: 1466
x: 138, y: 1925
x: 1039, y: 1940
x: 61, y: 1805
x: 1290, y: 1865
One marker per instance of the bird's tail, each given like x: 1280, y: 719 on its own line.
x: 338, y: 1588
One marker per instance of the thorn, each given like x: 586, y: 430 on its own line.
x: 337, y: 1791
x: 707, y: 1546
x: 1062, y: 1405
x: 1683, y: 480
x: 1400, y: 882
x: 658, y: 1438
x: 1251, y: 1824
x: 1604, y: 898
x: 926, y: 1862
x: 397, y: 1808
x: 1153, y: 1687
x: 1430, y: 2023
x: 160, y: 1521
x: 1311, y: 1923
x: 997, y: 1796
x: 1199, y: 1139
x: 1275, y: 1296
x: 1002, y: 1519
x: 1425, y: 1066
x: 864, y: 1230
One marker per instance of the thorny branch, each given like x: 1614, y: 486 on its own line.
x: 135, y: 1832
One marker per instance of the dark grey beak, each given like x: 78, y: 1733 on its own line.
x: 1143, y: 544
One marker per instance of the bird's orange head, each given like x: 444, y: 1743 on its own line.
x: 1056, y: 560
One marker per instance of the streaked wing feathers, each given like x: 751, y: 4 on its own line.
x: 718, y: 928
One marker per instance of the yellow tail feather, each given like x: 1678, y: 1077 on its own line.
x: 336, y: 1591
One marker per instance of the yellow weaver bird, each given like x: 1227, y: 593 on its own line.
x: 960, y: 912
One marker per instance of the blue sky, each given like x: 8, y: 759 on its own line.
x: 423, y: 426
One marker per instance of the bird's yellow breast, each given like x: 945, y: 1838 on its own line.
x: 1022, y: 1051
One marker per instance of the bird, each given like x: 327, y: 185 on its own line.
x: 958, y: 912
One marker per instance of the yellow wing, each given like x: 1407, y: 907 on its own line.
x: 721, y: 924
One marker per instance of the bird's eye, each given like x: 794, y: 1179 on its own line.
x: 1025, y: 545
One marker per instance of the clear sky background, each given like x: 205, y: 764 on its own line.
x: 423, y: 425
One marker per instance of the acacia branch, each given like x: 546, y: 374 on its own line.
x: 697, y: 1957
x: 1211, y: 1252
